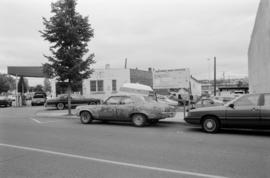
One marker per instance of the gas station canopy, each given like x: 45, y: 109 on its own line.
x: 26, y: 71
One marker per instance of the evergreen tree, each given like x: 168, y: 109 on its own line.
x: 68, y: 32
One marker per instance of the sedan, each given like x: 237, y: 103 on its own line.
x: 246, y: 111
x: 207, y: 102
x: 61, y: 102
x: 5, y: 101
x: 135, y: 108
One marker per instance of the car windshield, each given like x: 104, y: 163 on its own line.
x: 232, y: 101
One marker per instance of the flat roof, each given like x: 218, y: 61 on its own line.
x: 26, y: 71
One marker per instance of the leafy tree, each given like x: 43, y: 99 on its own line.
x: 6, y: 83
x: 38, y: 88
x: 68, y: 32
x: 47, y: 85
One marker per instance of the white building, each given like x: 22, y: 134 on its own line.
x: 105, y: 82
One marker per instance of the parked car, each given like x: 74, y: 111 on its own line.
x: 247, y: 111
x: 61, y: 102
x: 207, y: 102
x: 39, y: 98
x: 167, y: 100
x: 224, y: 99
x: 135, y: 108
x: 5, y: 101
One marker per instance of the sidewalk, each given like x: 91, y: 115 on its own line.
x: 51, y: 113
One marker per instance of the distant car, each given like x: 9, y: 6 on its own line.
x: 207, y: 102
x: 247, y: 111
x: 224, y: 99
x: 5, y: 101
x: 61, y: 102
x: 167, y: 100
x: 134, y: 108
x: 38, y: 99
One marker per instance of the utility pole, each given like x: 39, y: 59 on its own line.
x: 215, y: 73
x: 125, y: 63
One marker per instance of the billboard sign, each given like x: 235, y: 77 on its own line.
x: 173, y: 78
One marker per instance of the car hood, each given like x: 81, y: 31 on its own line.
x: 212, y: 108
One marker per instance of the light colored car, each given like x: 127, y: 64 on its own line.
x: 167, y: 100
x: 135, y: 108
x: 207, y: 102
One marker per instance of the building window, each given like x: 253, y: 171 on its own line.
x: 114, y: 85
x: 93, y: 85
x: 100, y: 85
x: 96, y: 85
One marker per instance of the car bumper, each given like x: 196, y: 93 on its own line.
x: 192, y: 120
x: 168, y: 114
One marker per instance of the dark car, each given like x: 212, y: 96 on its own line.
x: 38, y: 99
x: 247, y: 111
x: 5, y: 101
x: 61, y: 102
x: 135, y: 108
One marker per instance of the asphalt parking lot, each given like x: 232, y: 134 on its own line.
x: 46, y: 143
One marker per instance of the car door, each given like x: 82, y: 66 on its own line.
x: 108, y: 108
x: 265, y: 110
x: 125, y: 107
x: 245, y: 111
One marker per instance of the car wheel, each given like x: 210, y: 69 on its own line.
x: 139, y: 120
x: 85, y: 117
x: 210, y: 124
x: 60, y: 106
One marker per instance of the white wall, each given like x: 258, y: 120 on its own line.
x: 259, y: 51
x: 196, y: 87
x: 107, y: 75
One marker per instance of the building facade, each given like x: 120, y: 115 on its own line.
x: 259, y: 51
x: 105, y: 82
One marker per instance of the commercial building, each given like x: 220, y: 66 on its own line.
x: 259, y: 51
x: 105, y: 82
x: 178, y: 81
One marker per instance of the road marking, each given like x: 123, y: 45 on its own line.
x: 112, y: 162
x: 38, y: 121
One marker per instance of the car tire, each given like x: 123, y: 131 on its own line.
x: 211, y: 124
x: 139, y: 120
x: 85, y: 117
x: 60, y: 106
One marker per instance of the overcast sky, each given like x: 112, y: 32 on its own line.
x: 162, y: 34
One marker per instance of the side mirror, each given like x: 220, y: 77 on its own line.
x: 231, y: 105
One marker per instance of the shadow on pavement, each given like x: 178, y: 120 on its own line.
x: 247, y: 132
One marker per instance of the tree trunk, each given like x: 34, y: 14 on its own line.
x: 69, y: 98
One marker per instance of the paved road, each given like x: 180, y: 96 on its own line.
x: 35, y: 146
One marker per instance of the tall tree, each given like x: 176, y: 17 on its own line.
x: 6, y: 83
x: 68, y: 32
x: 22, y: 85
